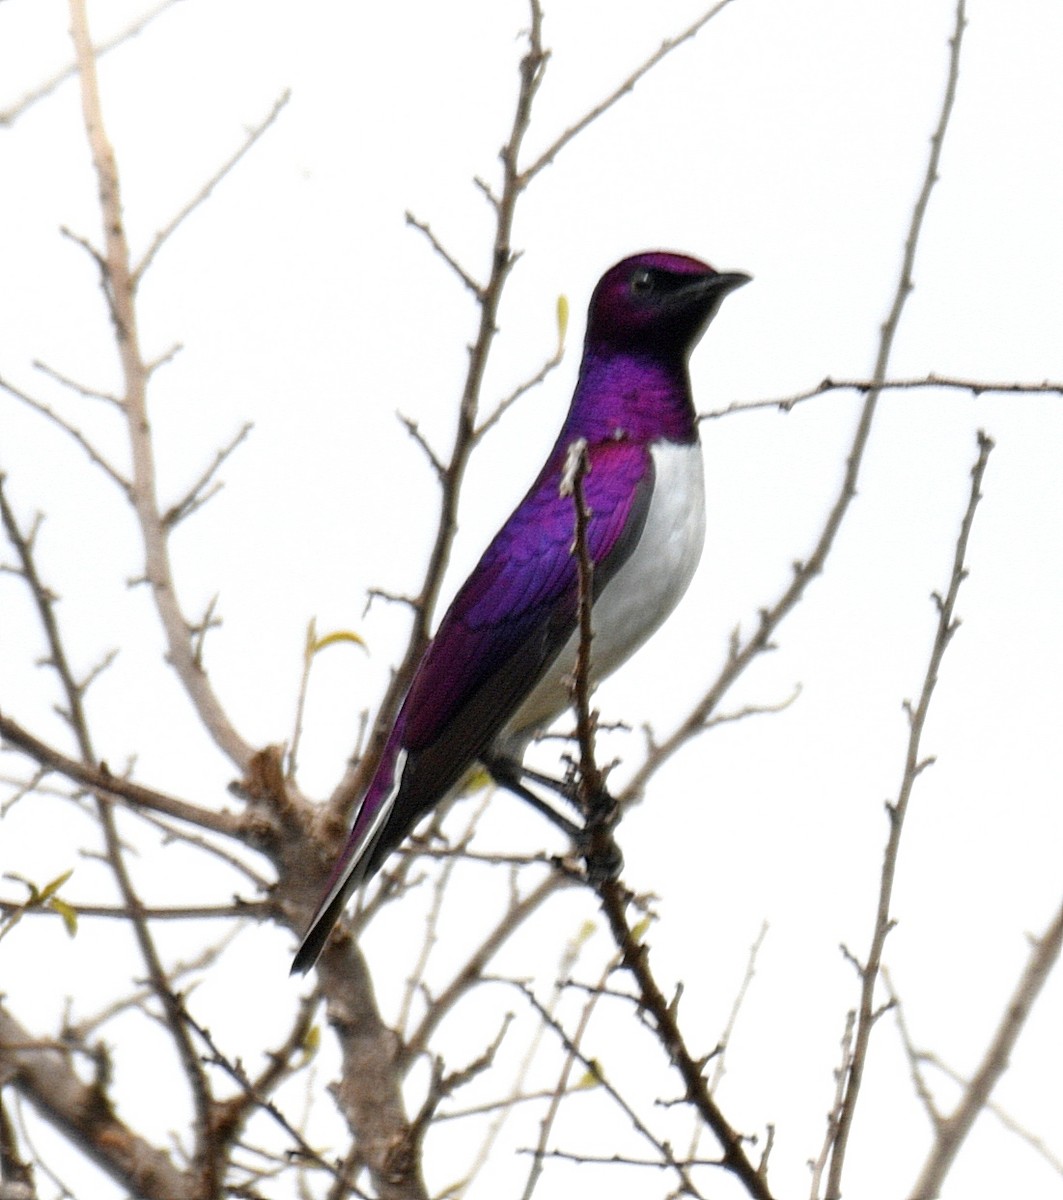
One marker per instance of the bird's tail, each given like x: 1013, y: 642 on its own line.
x: 355, y: 864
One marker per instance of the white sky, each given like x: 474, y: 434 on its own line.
x: 789, y: 141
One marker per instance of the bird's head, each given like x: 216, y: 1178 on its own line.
x: 657, y: 303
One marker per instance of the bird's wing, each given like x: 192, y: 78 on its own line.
x: 518, y: 608
x: 504, y: 628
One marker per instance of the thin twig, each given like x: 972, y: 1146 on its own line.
x: 471, y: 973
x: 742, y: 654
x: 477, y: 289
x: 10, y: 114
x: 561, y: 1088
x: 100, y: 779
x: 665, y: 48
x: 119, y: 286
x: 72, y: 432
x: 522, y: 389
x: 661, y: 1147
x: 502, y: 259
x: 517, y: 1094
x: 252, y: 136
x: 81, y: 388
x: 601, y: 852
x: 239, y: 909
x: 719, y: 1065
x: 841, y: 1073
x: 947, y: 625
x: 197, y: 495
x: 953, y: 1129
x: 977, y: 387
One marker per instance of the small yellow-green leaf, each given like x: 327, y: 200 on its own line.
x: 333, y: 639
x: 68, y: 913
x: 586, y: 932
x: 312, y: 1041
x: 562, y: 319
x: 49, y: 889
x: 592, y: 1077
x: 476, y: 781
x: 639, y: 931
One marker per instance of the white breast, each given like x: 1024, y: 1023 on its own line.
x: 641, y: 594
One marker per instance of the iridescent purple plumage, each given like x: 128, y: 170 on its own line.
x: 491, y: 676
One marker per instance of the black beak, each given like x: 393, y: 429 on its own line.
x: 726, y: 281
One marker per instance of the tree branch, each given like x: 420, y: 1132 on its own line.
x: 869, y: 972
x: 120, y: 288
x: 952, y: 1131
x: 43, y: 1075
x: 977, y: 387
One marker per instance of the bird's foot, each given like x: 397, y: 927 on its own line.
x: 596, y: 843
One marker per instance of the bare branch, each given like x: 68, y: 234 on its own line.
x: 551, y: 364
x: 841, y: 1074
x: 239, y: 909
x: 9, y: 115
x: 477, y: 289
x: 119, y: 281
x: 252, y: 136
x: 44, y: 1075
x: 502, y: 259
x: 742, y: 654
x: 100, y: 779
x: 561, y: 1088
x: 430, y: 938
x: 977, y: 387
x: 197, y: 495
x: 72, y: 432
x: 953, y: 1130
x: 869, y: 972
x: 255, y: 1093
x: 635, y: 955
x: 665, y: 48
x: 81, y: 388
x: 719, y: 1064
x: 471, y: 972
x: 414, y: 430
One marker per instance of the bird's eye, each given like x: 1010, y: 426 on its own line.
x: 641, y: 282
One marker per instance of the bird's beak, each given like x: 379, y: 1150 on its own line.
x: 725, y: 281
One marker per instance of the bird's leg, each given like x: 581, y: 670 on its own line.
x: 593, y: 841
x: 560, y: 787
x: 509, y: 773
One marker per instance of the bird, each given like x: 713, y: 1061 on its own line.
x: 498, y: 670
